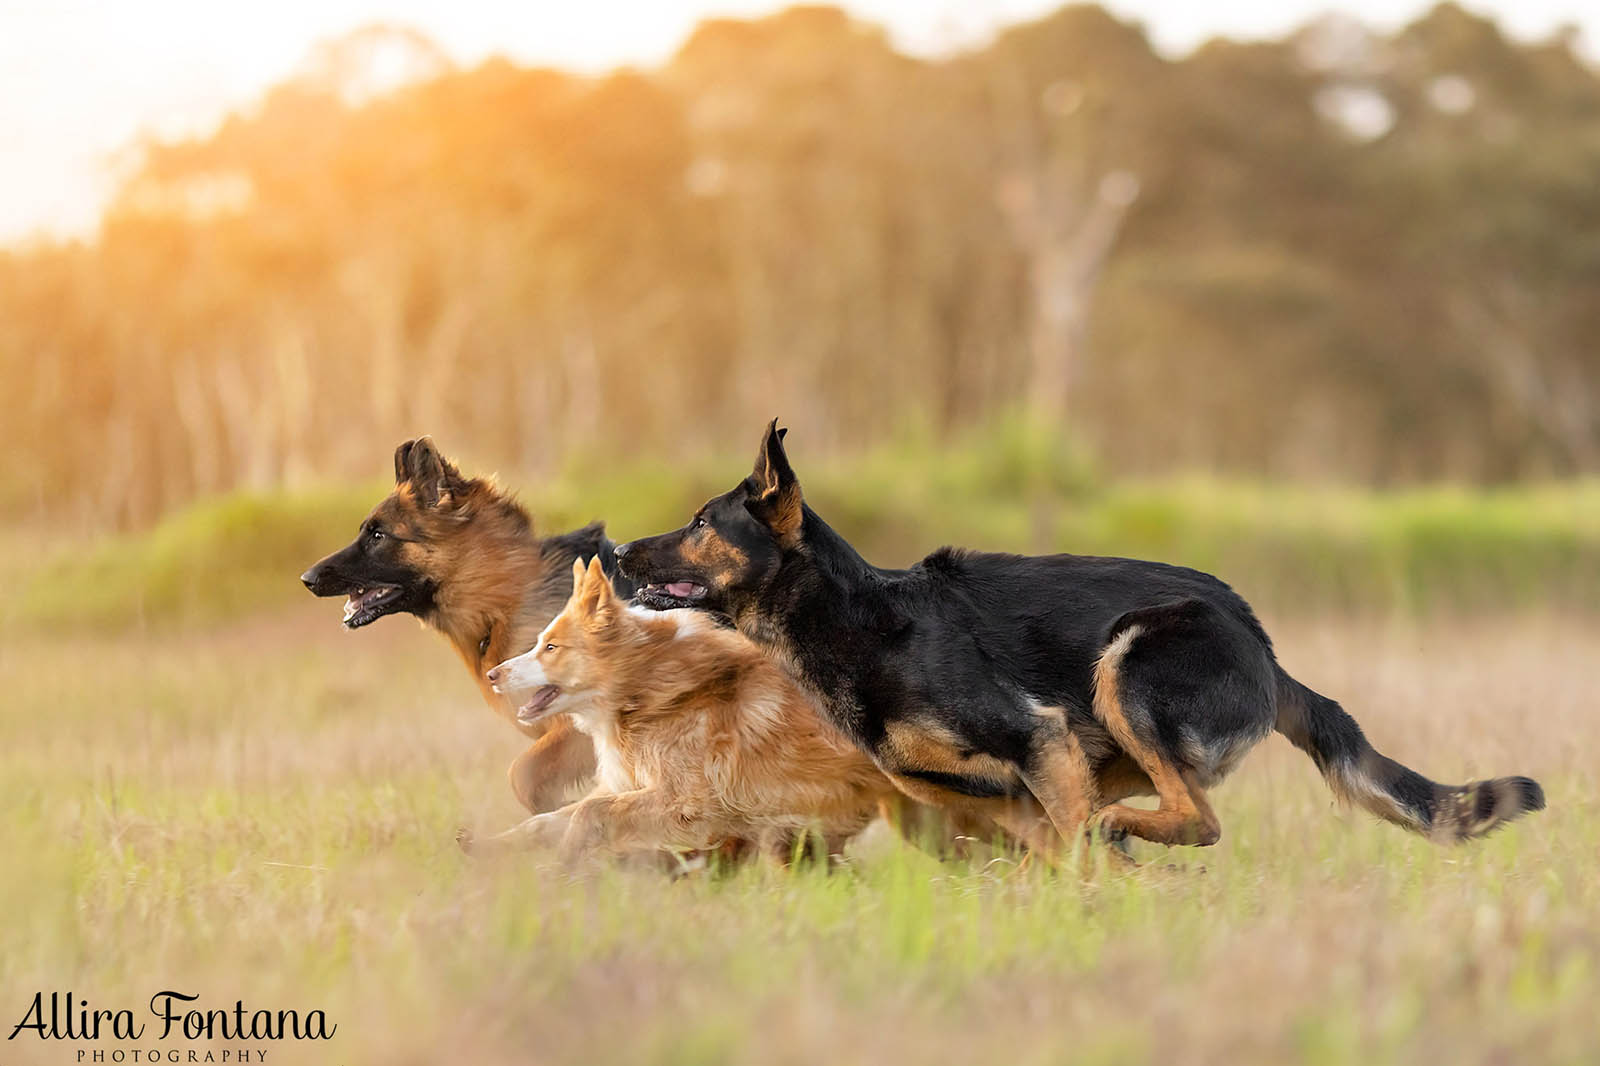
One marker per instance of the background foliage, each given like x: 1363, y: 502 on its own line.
x: 1338, y: 256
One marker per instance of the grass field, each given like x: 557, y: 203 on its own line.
x: 262, y: 809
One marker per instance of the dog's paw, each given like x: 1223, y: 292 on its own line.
x: 465, y: 840
x: 1105, y: 827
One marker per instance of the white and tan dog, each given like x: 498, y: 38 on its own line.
x: 702, y: 742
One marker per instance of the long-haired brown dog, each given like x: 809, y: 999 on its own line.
x: 701, y: 739
x: 462, y: 555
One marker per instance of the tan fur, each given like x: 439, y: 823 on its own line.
x: 1058, y: 774
x: 930, y: 746
x: 1047, y: 806
x: 701, y: 738
x: 782, y: 510
x: 713, y: 555
x: 1120, y: 778
x: 1018, y: 821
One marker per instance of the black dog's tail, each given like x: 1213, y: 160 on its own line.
x: 1358, y: 773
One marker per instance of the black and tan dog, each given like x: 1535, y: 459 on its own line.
x: 980, y: 680
x: 462, y: 555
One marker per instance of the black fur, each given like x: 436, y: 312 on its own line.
x: 372, y: 561
x: 585, y: 543
x: 974, y: 639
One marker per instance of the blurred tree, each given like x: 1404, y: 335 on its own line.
x: 1343, y: 254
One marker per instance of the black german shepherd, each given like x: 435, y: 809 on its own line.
x: 979, y: 679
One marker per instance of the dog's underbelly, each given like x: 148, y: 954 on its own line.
x: 922, y: 747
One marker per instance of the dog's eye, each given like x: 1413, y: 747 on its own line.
x: 699, y: 523
x: 549, y: 647
x: 483, y: 646
x: 375, y: 533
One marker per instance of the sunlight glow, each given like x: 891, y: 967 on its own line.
x: 80, y: 82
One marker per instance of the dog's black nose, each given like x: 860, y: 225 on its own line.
x: 309, y: 579
x: 622, y: 549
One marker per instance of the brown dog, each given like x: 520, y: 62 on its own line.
x: 701, y: 739
x: 462, y: 555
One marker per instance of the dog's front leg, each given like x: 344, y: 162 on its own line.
x: 646, y: 819
x: 542, y: 831
x: 555, y: 764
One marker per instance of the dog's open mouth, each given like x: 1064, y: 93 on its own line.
x: 538, y: 706
x: 671, y: 593
x: 369, y: 604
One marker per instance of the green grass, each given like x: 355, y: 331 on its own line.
x: 1016, y: 489
x: 265, y: 811
x: 211, y: 787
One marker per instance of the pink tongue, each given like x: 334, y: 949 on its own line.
x: 542, y: 698
x: 682, y: 589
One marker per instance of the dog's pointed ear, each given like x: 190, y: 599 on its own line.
x: 582, y: 603
x: 402, y: 462
x: 772, y: 465
x: 600, y: 585
x: 774, y: 490
x: 598, y: 598
x: 434, y: 478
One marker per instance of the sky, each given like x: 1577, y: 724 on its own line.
x: 80, y: 81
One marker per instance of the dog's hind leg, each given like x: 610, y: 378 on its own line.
x: 553, y: 766
x: 1184, y: 816
x: 1060, y: 778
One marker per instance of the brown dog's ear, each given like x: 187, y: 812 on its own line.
x: 600, y: 585
x: 577, y: 576
x: 402, y: 462
x: 434, y: 479
x: 776, y: 498
x: 596, y: 598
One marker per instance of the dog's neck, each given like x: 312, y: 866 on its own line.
x: 643, y: 655
x: 835, y: 558
x: 826, y: 603
x: 824, y: 570
x: 495, y: 603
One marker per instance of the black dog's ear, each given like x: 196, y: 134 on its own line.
x: 772, y: 470
x: 434, y: 478
x: 775, y: 491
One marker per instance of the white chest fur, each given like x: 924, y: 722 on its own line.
x: 610, y: 773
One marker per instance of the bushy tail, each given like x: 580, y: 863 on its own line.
x: 1359, y: 774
